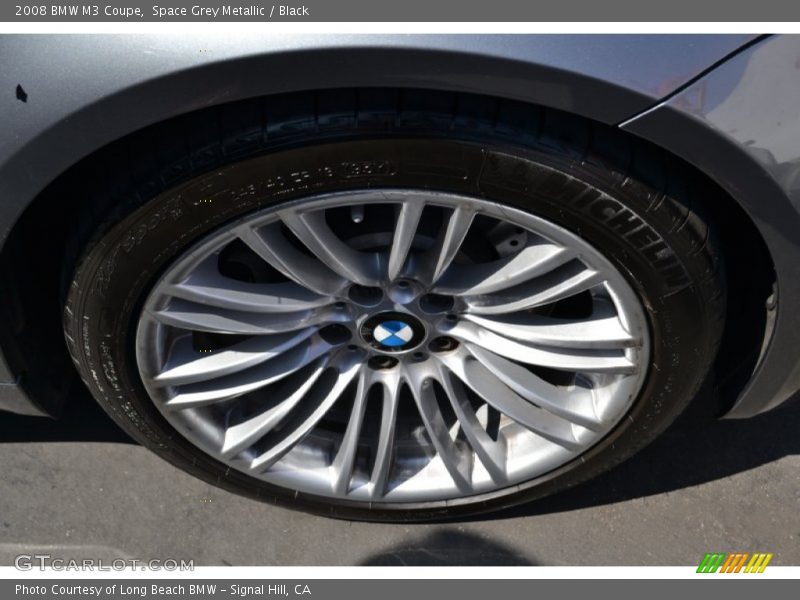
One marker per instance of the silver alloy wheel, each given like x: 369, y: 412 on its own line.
x: 393, y: 345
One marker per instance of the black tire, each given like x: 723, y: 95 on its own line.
x: 632, y: 202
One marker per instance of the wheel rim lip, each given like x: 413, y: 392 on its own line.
x: 193, y: 427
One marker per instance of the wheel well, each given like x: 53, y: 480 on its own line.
x: 37, y: 260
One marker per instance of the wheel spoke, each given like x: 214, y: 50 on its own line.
x: 491, y: 453
x: 574, y: 404
x: 231, y: 386
x: 436, y: 260
x: 553, y: 286
x: 305, y: 418
x: 603, y: 330
x: 311, y: 229
x: 406, y: 229
x: 196, y: 317
x: 188, y: 365
x: 532, y: 261
x: 390, y: 383
x: 456, y: 461
x: 497, y: 394
x: 271, y: 244
x: 245, y: 434
x: 586, y: 360
x: 208, y: 287
x: 342, y: 466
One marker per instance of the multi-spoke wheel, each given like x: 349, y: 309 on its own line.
x: 398, y: 328
x: 393, y: 345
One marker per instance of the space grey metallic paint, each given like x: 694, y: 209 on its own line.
x: 67, y: 96
x: 741, y: 124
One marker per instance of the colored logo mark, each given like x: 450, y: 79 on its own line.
x: 738, y: 562
x: 393, y: 333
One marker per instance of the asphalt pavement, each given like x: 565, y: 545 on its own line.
x: 78, y: 487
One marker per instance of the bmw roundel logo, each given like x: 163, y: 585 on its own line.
x: 393, y: 332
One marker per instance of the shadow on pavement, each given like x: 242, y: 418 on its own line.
x: 446, y: 547
x: 82, y: 421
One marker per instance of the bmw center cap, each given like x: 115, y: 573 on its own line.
x: 393, y: 332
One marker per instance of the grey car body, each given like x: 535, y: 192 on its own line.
x: 726, y: 104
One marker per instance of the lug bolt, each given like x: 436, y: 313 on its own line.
x: 335, y: 334
x: 364, y: 295
x: 381, y: 362
x: 435, y: 303
x: 443, y: 344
